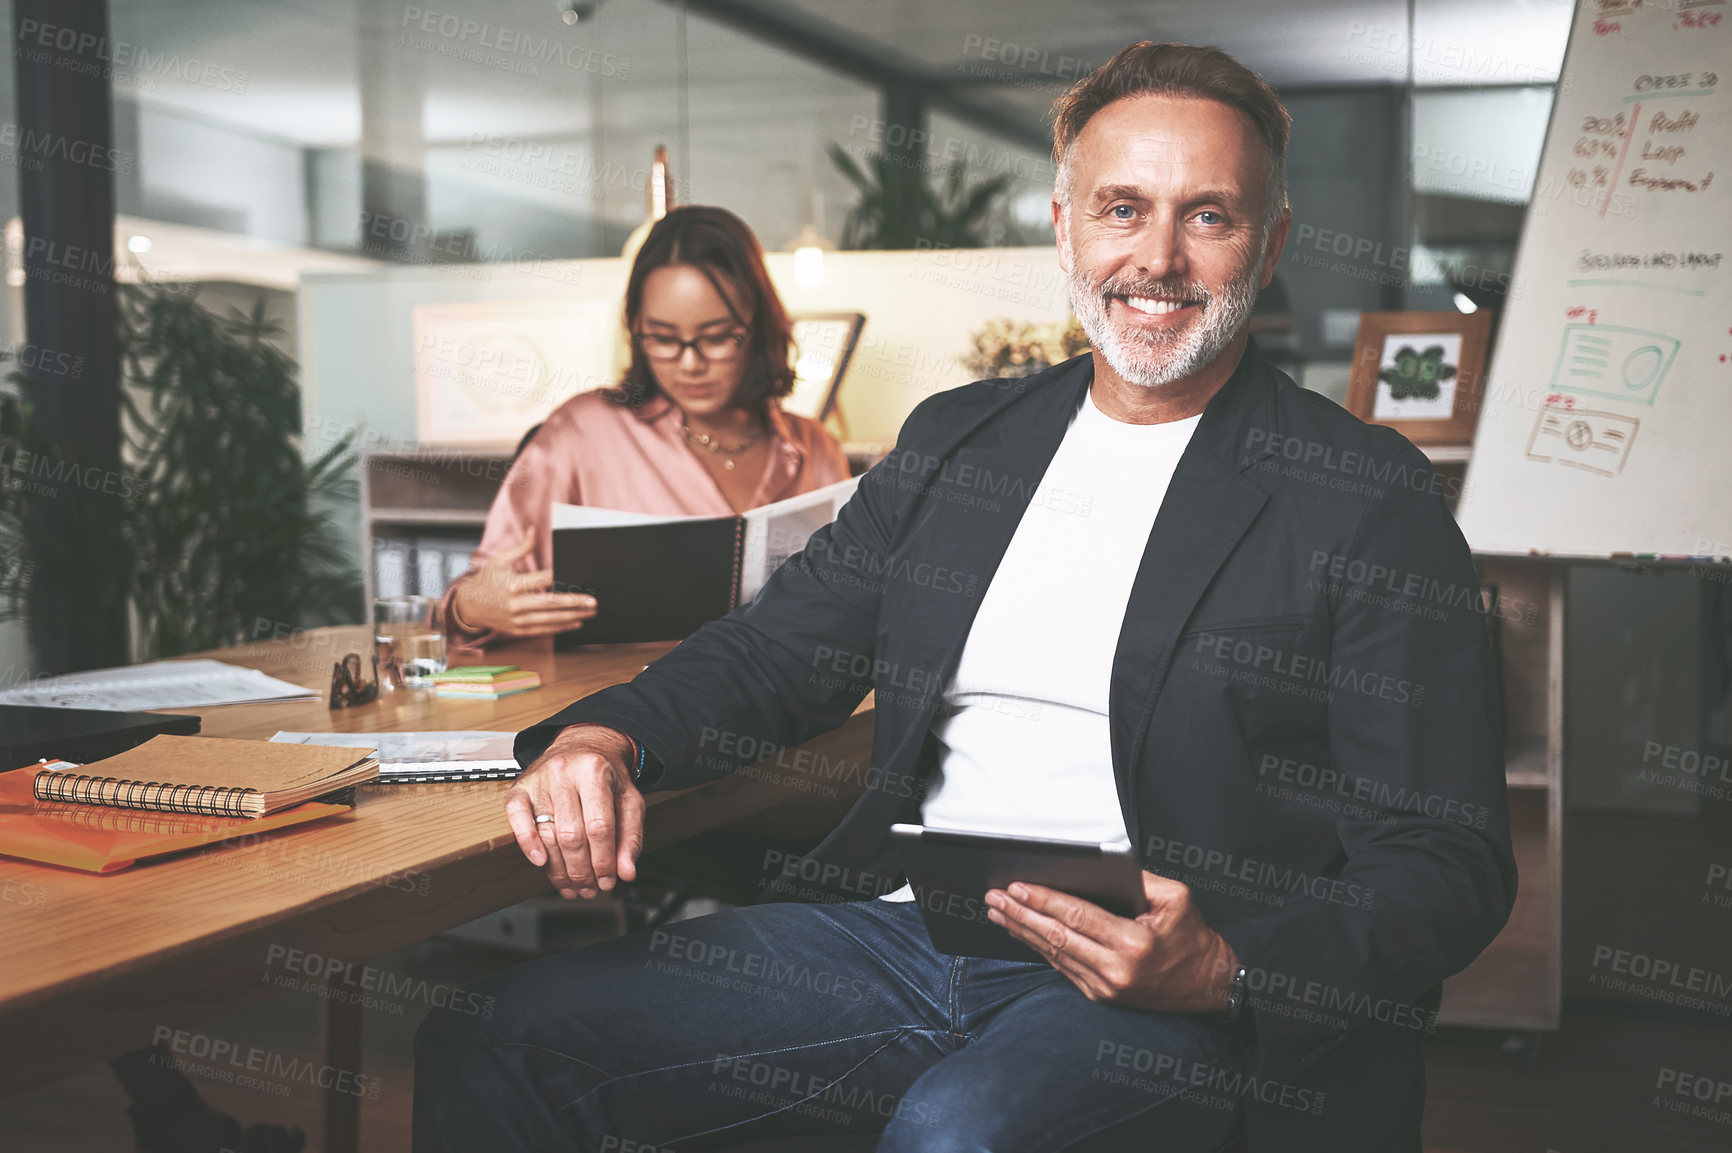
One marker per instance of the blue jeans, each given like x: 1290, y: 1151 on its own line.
x: 804, y: 1019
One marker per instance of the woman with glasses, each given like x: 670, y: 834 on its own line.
x: 694, y: 428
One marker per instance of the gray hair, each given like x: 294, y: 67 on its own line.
x: 1182, y: 70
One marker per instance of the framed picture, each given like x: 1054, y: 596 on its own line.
x: 487, y: 371
x: 1421, y: 373
x: 824, y: 343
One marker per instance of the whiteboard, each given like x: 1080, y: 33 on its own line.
x: 1606, y: 425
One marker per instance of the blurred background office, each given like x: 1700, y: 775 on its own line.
x: 285, y: 284
x: 378, y: 153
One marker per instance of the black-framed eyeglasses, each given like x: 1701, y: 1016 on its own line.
x: 712, y: 346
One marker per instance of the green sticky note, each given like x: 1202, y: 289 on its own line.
x: 473, y: 672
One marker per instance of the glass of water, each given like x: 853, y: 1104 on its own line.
x: 408, y: 647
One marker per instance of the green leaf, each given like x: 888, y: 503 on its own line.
x: 952, y: 212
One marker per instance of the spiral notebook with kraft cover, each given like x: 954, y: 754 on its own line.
x: 100, y: 839
x: 210, y: 775
x: 658, y: 578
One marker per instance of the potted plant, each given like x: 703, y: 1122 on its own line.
x: 224, y: 522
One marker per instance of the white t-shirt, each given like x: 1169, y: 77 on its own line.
x: 1023, y: 741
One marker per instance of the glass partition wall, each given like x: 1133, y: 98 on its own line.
x: 513, y: 130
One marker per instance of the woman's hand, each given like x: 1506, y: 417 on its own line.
x: 496, y: 598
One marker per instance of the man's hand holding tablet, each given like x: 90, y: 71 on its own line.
x: 1164, y: 958
x: 1123, y: 935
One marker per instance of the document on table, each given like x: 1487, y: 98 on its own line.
x: 430, y: 756
x: 158, y: 685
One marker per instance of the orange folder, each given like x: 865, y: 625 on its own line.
x: 100, y: 839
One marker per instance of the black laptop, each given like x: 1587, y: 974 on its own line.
x: 29, y: 733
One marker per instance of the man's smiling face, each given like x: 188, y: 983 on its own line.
x: 1163, y: 235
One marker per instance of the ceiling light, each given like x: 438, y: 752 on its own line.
x: 809, y: 249
x: 1464, y: 304
x: 138, y: 244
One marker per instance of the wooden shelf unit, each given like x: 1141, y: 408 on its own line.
x: 412, y: 493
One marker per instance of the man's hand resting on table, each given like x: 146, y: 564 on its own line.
x: 582, y: 781
x: 1166, y: 958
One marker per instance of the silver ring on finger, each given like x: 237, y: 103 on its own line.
x: 543, y: 818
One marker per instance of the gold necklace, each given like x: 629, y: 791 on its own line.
x: 712, y: 445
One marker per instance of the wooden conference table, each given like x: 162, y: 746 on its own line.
x: 91, y: 965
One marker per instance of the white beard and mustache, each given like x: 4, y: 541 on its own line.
x: 1154, y: 358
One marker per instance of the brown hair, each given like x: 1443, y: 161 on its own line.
x: 720, y: 245
x: 1151, y: 69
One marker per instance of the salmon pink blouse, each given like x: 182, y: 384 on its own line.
x: 592, y: 451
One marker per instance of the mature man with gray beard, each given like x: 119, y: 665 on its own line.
x: 1181, y: 664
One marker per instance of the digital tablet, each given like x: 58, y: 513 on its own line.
x: 950, y: 873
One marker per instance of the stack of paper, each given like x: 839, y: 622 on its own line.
x: 159, y: 685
